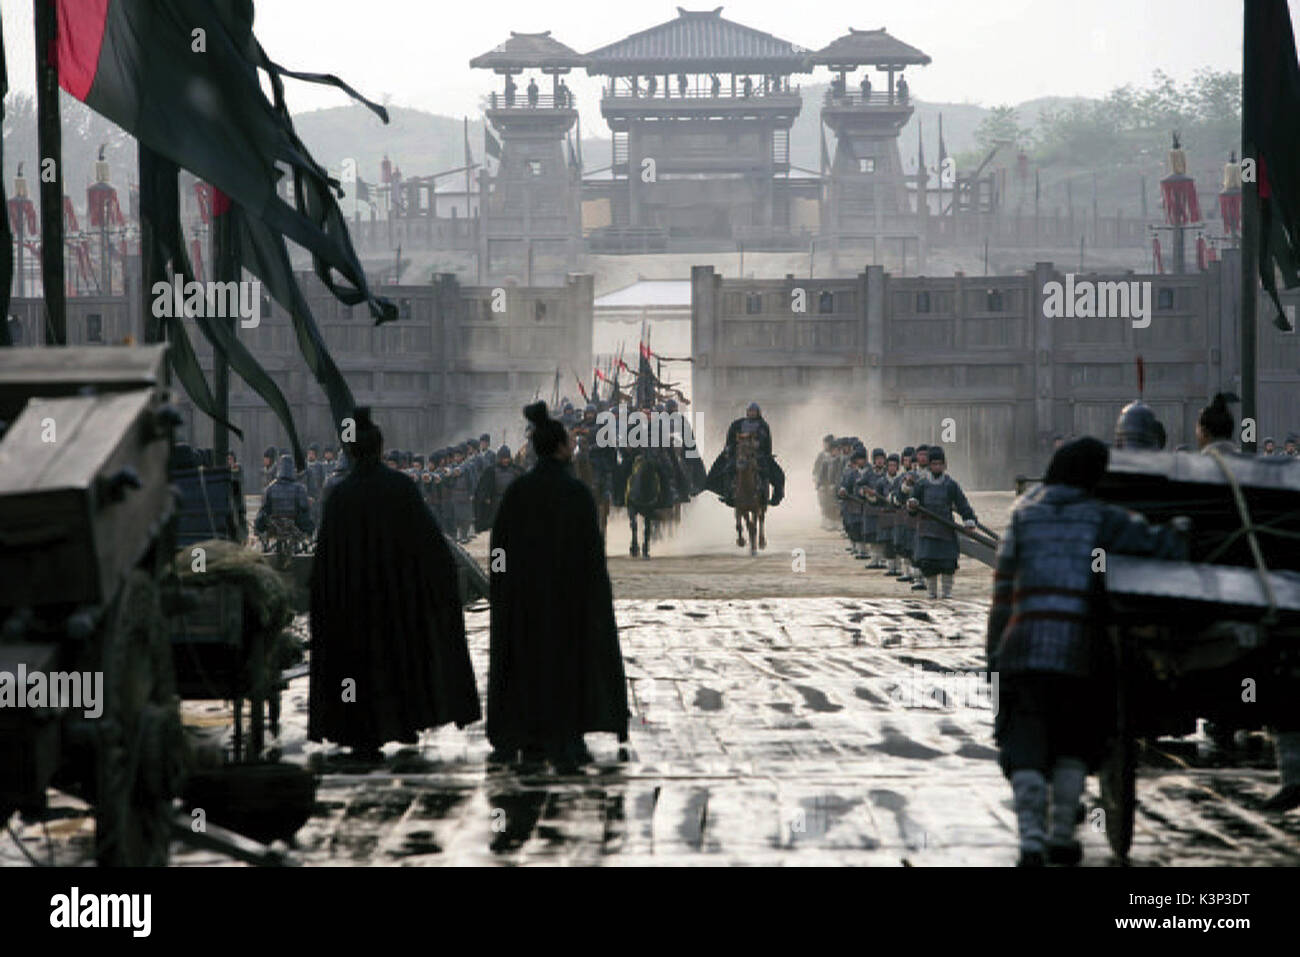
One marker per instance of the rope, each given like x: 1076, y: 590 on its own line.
x: 1251, y: 538
x: 203, y: 487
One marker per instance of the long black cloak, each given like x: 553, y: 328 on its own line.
x: 386, y: 613
x: 556, y: 669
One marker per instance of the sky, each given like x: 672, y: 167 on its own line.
x: 417, y: 52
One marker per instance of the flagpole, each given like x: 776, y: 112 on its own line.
x: 50, y: 147
x: 225, y: 268
x: 1249, y: 247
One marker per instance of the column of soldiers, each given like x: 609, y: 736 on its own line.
x: 896, y: 511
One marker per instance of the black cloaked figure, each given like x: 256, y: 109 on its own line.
x: 555, y: 668
x: 388, y: 650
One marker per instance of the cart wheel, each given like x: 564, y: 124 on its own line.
x: 1117, y: 775
x: 141, y: 748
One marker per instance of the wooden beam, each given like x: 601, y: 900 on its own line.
x: 49, y: 136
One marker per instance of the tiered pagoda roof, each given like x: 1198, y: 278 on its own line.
x: 698, y: 42
x: 529, y: 51
x: 874, y: 47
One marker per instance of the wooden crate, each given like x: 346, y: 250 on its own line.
x: 68, y: 532
x: 67, y: 370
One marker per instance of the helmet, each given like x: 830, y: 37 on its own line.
x: 936, y: 454
x: 1138, y: 428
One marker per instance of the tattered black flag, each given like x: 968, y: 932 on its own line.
x: 1271, y: 101
x: 6, y: 237
x: 182, y: 77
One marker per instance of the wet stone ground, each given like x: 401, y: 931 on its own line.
x: 793, y: 729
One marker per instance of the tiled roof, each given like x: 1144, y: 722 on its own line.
x: 698, y: 40
x: 529, y: 51
x: 868, y: 46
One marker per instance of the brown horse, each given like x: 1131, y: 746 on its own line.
x: 750, y: 499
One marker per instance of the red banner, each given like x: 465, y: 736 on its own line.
x: 1181, y: 205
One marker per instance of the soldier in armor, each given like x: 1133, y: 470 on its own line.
x: 313, y: 479
x: 1291, y: 445
x: 285, y: 498
x: 270, y: 462
x: 903, y: 533
x: 868, y: 488
x: 902, y: 88
x: 603, y: 458
x: 1052, y: 714
x: 722, y: 474
x: 886, y: 516
x: 492, y: 484
x: 936, y: 544
x: 532, y: 92
x: 920, y: 467
x: 1270, y: 449
x: 823, y: 479
x: 462, y: 494
x: 335, y: 477
x: 850, y: 504
x: 1136, y: 428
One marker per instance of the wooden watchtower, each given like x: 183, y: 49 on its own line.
x: 700, y: 109
x: 531, y: 229
x: 865, y: 205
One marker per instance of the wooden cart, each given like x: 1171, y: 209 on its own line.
x: 1183, y: 634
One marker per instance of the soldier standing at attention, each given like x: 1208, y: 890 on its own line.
x: 850, y: 504
x: 920, y: 467
x: 492, y: 485
x: 936, y: 544
x: 1053, y: 715
x: 823, y: 481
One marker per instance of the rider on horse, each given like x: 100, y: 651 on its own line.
x: 722, y: 475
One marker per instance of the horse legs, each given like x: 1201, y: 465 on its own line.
x: 645, y: 538
x: 740, y: 535
x: 751, y: 523
x: 762, y: 536
x: 631, y: 517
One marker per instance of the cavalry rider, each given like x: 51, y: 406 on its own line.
x: 603, y: 458
x: 722, y: 474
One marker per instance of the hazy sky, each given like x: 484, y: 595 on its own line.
x: 991, y: 52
